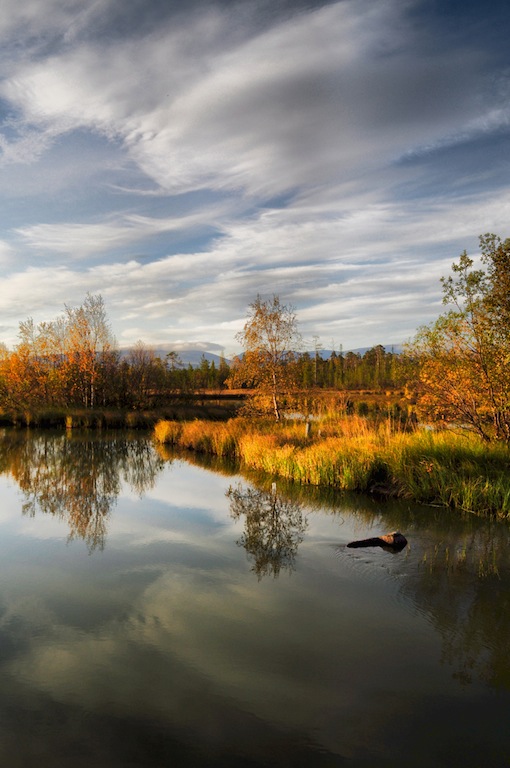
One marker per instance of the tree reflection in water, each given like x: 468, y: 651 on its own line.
x: 462, y: 584
x: 274, y: 528
x: 456, y: 573
x: 77, y: 477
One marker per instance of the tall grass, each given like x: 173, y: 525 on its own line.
x: 451, y: 470
x: 353, y: 454
x: 216, y: 438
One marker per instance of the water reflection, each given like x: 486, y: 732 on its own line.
x: 455, y: 573
x: 167, y: 651
x: 77, y: 477
x: 462, y: 583
x: 274, y: 527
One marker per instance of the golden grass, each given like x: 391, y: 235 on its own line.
x: 353, y: 454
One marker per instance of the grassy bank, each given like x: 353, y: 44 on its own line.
x: 352, y: 454
x: 112, y: 418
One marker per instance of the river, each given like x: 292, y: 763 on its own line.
x: 158, y: 611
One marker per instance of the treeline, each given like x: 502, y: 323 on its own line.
x: 375, y: 369
x: 74, y: 361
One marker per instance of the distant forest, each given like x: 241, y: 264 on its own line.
x: 74, y: 362
x: 141, y: 379
x: 455, y: 372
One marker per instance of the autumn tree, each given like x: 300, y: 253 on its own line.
x: 89, y: 348
x: 464, y: 356
x: 30, y: 374
x: 62, y: 362
x: 270, y: 338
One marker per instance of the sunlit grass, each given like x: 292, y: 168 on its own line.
x: 354, y: 454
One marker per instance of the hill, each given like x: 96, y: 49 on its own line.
x: 193, y: 355
x: 188, y: 355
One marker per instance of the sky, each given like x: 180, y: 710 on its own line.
x: 181, y: 158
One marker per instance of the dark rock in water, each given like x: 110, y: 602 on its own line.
x: 391, y: 541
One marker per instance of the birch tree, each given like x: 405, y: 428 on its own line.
x: 89, y: 345
x: 270, y: 338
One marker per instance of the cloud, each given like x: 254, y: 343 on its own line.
x: 31, y: 21
x: 336, y: 154
x: 309, y: 102
x: 27, y: 146
x: 6, y: 252
x: 89, y: 239
x: 300, y: 103
x: 385, y: 261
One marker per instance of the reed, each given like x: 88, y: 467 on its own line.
x: 213, y: 437
x: 167, y: 432
x: 354, y: 454
x: 452, y: 470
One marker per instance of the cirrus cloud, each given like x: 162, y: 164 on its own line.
x: 341, y: 154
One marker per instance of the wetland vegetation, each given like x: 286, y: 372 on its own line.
x: 357, y: 417
x: 356, y: 454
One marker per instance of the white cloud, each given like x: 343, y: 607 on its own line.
x: 342, y: 277
x: 320, y: 116
x: 81, y: 240
x: 305, y: 102
x: 6, y: 253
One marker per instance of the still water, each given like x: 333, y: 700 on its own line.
x: 155, y: 612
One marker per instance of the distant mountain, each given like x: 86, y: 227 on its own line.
x: 193, y: 355
x: 326, y: 353
x: 187, y: 355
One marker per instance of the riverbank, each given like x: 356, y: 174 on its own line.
x: 354, y: 454
x: 117, y: 418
